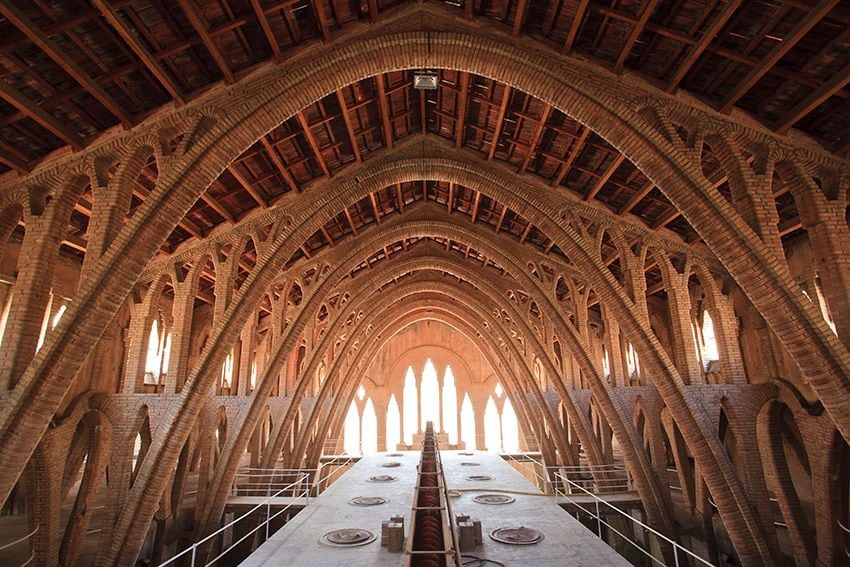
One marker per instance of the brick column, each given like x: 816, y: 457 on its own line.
x: 720, y: 307
x: 681, y: 322
x: 181, y: 334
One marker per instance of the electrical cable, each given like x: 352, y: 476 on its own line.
x: 469, y: 561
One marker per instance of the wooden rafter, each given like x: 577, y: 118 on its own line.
x: 152, y: 64
x: 461, y: 109
x: 475, y: 206
x: 14, y: 158
x: 267, y: 30
x: 314, y: 144
x: 322, y: 20
x: 38, y: 37
x: 600, y: 183
x: 200, y: 28
x: 374, y: 202
x: 350, y: 221
x: 218, y: 207
x: 248, y: 187
x: 519, y: 18
x: 500, y: 119
x: 637, y: 197
x: 17, y: 99
x: 349, y: 126
x: 818, y: 96
x: 535, y: 136
x: 574, y: 151
x: 698, y: 49
x: 812, y: 17
x: 525, y: 232
x: 450, y: 202
x: 637, y: 29
x: 385, y: 112
x: 575, y: 25
x: 278, y: 162
x: 399, y: 198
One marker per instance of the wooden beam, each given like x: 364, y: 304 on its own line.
x: 322, y: 21
x: 705, y: 40
x: 305, y: 251
x: 278, y: 162
x: 157, y: 70
x: 267, y: 30
x: 519, y: 18
x: 461, y: 110
x: 207, y: 39
x: 17, y: 99
x: 399, y: 198
x: 373, y: 11
x: 637, y: 197
x: 248, y: 187
x: 14, y: 158
x: 500, y: 119
x: 475, y: 205
x: 314, y: 144
x: 535, y: 136
x: 575, y: 150
x: 218, y: 207
x: 600, y: 183
x: 350, y: 221
x: 375, y: 208
x: 574, y: 26
x: 327, y: 236
x: 808, y: 104
x: 385, y: 112
x: 451, y: 200
x: 349, y: 126
x: 501, y: 218
x: 469, y: 9
x: 812, y: 17
x: 525, y: 232
x: 637, y: 29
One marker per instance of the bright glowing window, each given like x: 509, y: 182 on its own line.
x: 467, y: 423
x: 253, y: 374
x: 499, y: 390
x: 166, y: 355
x: 45, y: 322
x: 709, y: 340
x: 227, y: 371
x: 361, y: 392
x: 369, y: 431
x: 58, y: 316
x: 153, y: 359
x: 492, y: 427
x: 4, y: 316
x: 606, y: 364
x: 824, y: 308
x: 410, y: 400
x: 430, y: 392
x: 510, y: 428
x: 351, y: 432
x: 450, y: 406
x: 393, y: 424
x: 633, y: 365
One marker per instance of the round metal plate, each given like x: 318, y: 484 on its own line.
x: 348, y: 537
x: 479, y: 477
x: 494, y: 499
x: 391, y: 465
x: 382, y: 478
x: 517, y: 536
x: 367, y: 501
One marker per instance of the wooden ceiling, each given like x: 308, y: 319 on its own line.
x: 73, y: 68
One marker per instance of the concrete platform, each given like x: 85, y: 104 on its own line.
x: 567, y: 541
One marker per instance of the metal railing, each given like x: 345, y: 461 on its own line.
x: 267, y: 504
x: 599, y: 504
x: 21, y: 540
x: 610, y: 478
x: 258, y: 481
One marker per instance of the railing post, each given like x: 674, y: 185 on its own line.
x: 194, y: 552
x: 598, y: 518
x: 676, y: 554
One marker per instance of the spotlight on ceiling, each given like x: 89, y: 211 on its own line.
x: 425, y: 80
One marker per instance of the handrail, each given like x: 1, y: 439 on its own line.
x: 267, y: 503
x: 600, y: 521
x: 24, y: 538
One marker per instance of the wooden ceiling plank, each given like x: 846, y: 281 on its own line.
x: 637, y: 29
x: 500, y: 119
x: 637, y: 198
x: 322, y: 20
x: 575, y: 25
x: 374, y: 14
x: 812, y: 17
x: 575, y: 150
x: 40, y: 39
x: 349, y: 126
x: 314, y: 144
x: 267, y: 30
x: 218, y: 207
x: 815, y: 99
x: 111, y: 16
x: 209, y: 42
x: 278, y: 162
x: 600, y: 183
x: 385, y: 112
x: 248, y: 187
x: 469, y: 9
x: 461, y: 110
x: 14, y: 158
x: 706, y: 39
x: 17, y: 99
x: 535, y: 137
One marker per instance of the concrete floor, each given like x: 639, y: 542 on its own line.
x: 567, y: 541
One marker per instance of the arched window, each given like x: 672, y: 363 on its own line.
x: 153, y: 359
x: 410, y: 399
x: 361, y: 392
x: 450, y: 406
x: 467, y: 423
x: 606, y: 364
x: 253, y: 375
x: 393, y: 424
x: 430, y: 396
x: 510, y: 428
x: 351, y: 432
x: 708, y: 349
x: 369, y: 431
x: 227, y: 370
x: 632, y: 362
x: 492, y: 427
x: 499, y: 390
